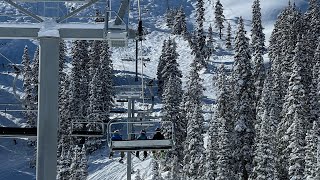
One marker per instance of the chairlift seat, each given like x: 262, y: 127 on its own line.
x: 145, y: 145
x: 17, y: 132
x: 118, y: 111
x: 87, y: 133
x: 122, y: 100
x: 143, y: 124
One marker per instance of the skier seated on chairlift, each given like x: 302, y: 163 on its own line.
x: 116, y: 137
x: 157, y: 136
x: 142, y: 136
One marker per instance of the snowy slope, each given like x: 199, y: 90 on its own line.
x: 15, y: 157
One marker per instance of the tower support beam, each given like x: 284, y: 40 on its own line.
x: 48, y: 108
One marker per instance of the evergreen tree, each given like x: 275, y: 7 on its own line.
x: 138, y: 176
x: 292, y: 112
x: 155, y: 171
x: 83, y: 53
x: 79, y: 164
x: 180, y: 25
x: 170, y: 14
x: 219, y: 137
x: 219, y: 17
x: 258, y: 38
x: 194, y: 151
x: 265, y: 159
x: 95, y: 52
x: 296, y: 160
x: 63, y: 167
x: 75, y: 94
x: 162, y: 62
x: 228, y: 38
x: 64, y: 138
x: 312, y: 25
x: 106, y: 79
x: 35, y: 76
x: 209, y: 45
x: 244, y: 100
x: 212, y: 149
x: 198, y: 42
x: 282, y: 43
x: 311, y: 153
x: 224, y: 171
x: 28, y: 90
x: 175, y: 169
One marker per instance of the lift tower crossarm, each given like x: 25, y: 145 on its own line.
x: 122, y: 11
x: 23, y: 10
x: 76, y: 11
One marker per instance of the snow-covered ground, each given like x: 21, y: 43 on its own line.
x: 14, y: 159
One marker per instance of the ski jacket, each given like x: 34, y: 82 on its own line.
x: 116, y: 137
x: 158, y: 136
x: 142, y: 137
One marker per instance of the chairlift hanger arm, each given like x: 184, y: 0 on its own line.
x: 23, y: 10
x: 75, y: 11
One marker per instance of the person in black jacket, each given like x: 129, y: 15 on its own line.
x: 158, y: 135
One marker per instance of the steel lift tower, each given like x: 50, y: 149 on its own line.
x: 49, y: 31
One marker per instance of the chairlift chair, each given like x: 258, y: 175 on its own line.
x: 9, y: 132
x: 140, y: 145
x: 79, y: 128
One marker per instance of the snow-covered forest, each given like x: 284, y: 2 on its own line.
x: 242, y: 94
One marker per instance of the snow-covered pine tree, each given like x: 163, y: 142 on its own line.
x: 28, y: 90
x: 212, y: 149
x: 64, y: 139
x: 296, y: 144
x: 224, y: 168
x: 265, y: 159
x: 63, y: 166
x: 243, y: 88
x: 312, y: 25
x: 314, y: 97
x: 162, y: 62
x: 171, y: 66
x: 95, y: 109
x: 95, y: 52
x: 257, y: 45
x: 194, y: 156
x: 311, y: 153
x: 35, y: 76
x: 156, y: 175
x: 198, y: 41
x: 75, y: 98
x: 263, y: 104
x: 138, y: 176
x: 82, y: 51
x: 292, y: 112
x: 219, y: 17
x: 79, y: 164
x: 214, y: 124
x: 170, y: 14
x: 318, y: 159
x: 283, y: 41
x: 228, y: 38
x: 106, y: 79
x: 209, y: 44
x: 175, y: 169
x: 180, y: 25
x: 171, y: 97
